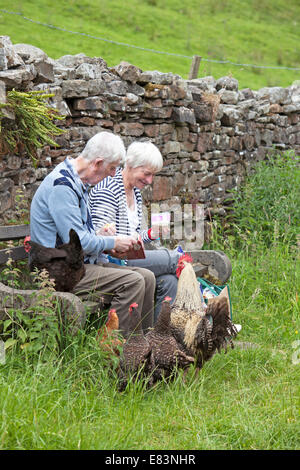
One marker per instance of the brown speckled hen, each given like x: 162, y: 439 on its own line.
x: 136, y: 360
x: 201, y: 331
x: 166, y: 351
x: 64, y: 264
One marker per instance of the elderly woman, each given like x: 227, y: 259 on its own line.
x: 116, y: 207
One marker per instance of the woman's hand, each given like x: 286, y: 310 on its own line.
x: 155, y: 231
x: 118, y: 254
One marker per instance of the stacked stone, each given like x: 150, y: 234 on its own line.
x: 210, y: 133
x: 243, y: 127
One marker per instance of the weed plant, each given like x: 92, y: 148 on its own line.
x: 32, y: 329
x: 245, y: 399
x: 34, y: 124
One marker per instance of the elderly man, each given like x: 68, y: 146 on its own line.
x: 60, y: 203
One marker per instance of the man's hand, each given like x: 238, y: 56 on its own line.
x: 124, y: 243
x: 123, y: 254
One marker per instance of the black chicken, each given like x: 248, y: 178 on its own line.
x: 167, y: 353
x: 64, y: 264
x: 136, y: 360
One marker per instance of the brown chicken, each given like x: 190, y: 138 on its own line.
x: 64, y: 264
x: 108, y: 337
x: 136, y: 360
x: 199, y: 329
x: 167, y: 353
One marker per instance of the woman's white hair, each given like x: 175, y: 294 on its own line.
x: 144, y: 154
x: 105, y: 145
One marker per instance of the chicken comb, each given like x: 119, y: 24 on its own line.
x: 134, y: 305
x: 27, y: 247
x: 167, y: 299
x: 110, y: 313
x: 181, y: 263
x: 112, y: 310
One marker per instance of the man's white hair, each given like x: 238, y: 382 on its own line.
x: 105, y: 145
x: 144, y: 154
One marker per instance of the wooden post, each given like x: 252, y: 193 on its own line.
x: 195, y: 67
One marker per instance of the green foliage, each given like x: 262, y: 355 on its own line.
x: 22, y: 209
x: 34, y: 124
x: 267, y: 207
x: 33, y: 331
x: 240, y: 31
x: 245, y: 399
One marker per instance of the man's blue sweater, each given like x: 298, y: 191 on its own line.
x: 59, y: 204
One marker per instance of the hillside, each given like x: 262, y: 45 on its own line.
x: 257, y: 32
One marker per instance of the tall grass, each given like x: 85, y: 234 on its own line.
x: 267, y: 210
x: 245, y: 399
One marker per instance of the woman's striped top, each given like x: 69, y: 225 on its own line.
x: 107, y: 204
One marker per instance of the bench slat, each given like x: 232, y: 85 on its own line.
x: 16, y: 254
x: 14, y: 232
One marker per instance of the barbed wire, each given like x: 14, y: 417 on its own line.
x: 145, y: 48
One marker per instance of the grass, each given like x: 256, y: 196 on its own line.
x: 257, y: 32
x: 245, y: 399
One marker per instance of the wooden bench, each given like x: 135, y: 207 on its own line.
x: 13, y: 232
x: 214, y: 264
x: 207, y: 262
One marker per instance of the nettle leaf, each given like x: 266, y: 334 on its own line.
x: 9, y: 343
x: 39, y: 325
x: 22, y: 335
x: 37, y: 346
x: 33, y: 335
x: 6, y: 324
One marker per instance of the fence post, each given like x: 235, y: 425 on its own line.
x: 195, y: 67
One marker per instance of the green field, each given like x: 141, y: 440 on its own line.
x: 245, y: 399
x: 256, y: 32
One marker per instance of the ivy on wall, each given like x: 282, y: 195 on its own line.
x: 33, y: 126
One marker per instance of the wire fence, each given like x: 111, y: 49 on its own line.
x: 215, y: 61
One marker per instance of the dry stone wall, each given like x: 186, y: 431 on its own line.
x: 210, y: 133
